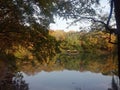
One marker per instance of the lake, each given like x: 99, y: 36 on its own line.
x: 63, y: 72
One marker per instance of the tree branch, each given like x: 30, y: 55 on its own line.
x: 107, y: 27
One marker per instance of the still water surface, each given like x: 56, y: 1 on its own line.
x: 68, y: 80
x: 62, y: 73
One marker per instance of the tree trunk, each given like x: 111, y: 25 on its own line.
x: 118, y: 37
x: 117, y: 17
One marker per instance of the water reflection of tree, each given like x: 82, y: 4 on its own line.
x: 13, y: 82
x: 88, y: 62
x: 98, y: 64
x: 115, y: 83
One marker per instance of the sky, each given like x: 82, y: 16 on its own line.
x: 61, y: 24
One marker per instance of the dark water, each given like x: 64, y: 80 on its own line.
x: 63, y: 72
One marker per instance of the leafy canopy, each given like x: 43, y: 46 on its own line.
x: 26, y: 22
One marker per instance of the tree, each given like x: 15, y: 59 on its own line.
x: 117, y: 14
x: 15, y: 14
x: 76, y: 9
x: 25, y: 23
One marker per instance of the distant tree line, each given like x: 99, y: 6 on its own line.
x: 83, y: 41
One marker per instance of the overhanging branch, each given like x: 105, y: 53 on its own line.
x: 107, y: 27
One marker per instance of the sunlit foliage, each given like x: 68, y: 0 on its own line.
x: 93, y: 41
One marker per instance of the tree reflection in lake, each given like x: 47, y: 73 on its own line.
x: 115, y: 85
x: 13, y: 82
x: 10, y: 79
x: 64, y: 72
